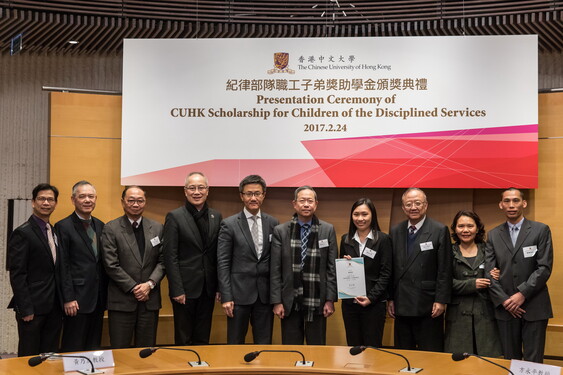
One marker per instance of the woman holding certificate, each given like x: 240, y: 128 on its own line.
x: 364, y: 316
x: 470, y: 318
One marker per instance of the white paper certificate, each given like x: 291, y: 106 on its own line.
x: 350, y: 278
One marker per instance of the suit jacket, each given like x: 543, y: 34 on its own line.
x: 377, y: 269
x: 83, y: 275
x: 425, y: 276
x: 521, y: 273
x: 190, y: 266
x: 281, y: 266
x: 125, y: 267
x: 33, y: 274
x: 243, y: 278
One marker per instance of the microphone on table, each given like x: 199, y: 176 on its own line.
x: 34, y: 361
x: 461, y: 356
x: 355, y: 350
x: 249, y: 357
x: 144, y: 353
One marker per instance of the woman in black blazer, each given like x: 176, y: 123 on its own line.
x: 364, y: 316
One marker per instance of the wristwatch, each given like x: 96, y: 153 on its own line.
x: 152, y: 284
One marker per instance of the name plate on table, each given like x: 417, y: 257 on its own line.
x: 350, y: 277
x: 525, y: 367
x: 100, y: 359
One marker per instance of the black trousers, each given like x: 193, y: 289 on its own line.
x: 40, y: 335
x: 364, y: 325
x: 83, y: 332
x: 138, y: 326
x: 261, y: 318
x: 295, y: 329
x: 192, y: 321
x: 419, y: 332
x: 518, y: 334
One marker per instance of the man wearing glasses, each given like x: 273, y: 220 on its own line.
x: 422, y: 276
x: 303, y: 273
x: 190, y: 258
x: 244, y: 266
x: 133, y: 261
x: 84, y: 286
x: 34, y: 262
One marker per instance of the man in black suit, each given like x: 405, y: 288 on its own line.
x: 523, y: 251
x: 422, y: 276
x: 243, y: 266
x: 132, y: 257
x: 303, y: 272
x: 190, y: 258
x: 33, y: 263
x: 84, y: 282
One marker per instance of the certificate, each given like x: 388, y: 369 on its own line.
x: 350, y: 278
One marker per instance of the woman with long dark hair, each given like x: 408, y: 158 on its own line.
x: 364, y: 316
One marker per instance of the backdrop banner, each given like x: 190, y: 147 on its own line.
x: 431, y: 112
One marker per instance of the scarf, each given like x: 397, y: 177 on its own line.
x: 201, y: 219
x: 306, y: 281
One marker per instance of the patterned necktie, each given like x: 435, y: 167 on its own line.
x: 51, y: 242
x: 514, y: 235
x: 304, y: 242
x: 92, y: 235
x: 410, y: 239
x: 255, y: 235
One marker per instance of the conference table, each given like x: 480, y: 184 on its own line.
x: 229, y: 359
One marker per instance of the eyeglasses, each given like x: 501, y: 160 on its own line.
x: 193, y: 189
x: 416, y: 204
x: 250, y: 194
x: 131, y: 202
x: 45, y: 199
x: 306, y: 201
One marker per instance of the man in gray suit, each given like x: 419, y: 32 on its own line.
x: 303, y: 273
x: 243, y: 266
x: 422, y: 276
x: 523, y: 252
x: 132, y: 254
x: 190, y: 258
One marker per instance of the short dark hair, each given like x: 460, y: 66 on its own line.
x: 252, y: 179
x: 131, y: 187
x: 304, y: 187
x: 479, y: 236
x: 374, y: 223
x: 44, y: 186
x: 513, y: 189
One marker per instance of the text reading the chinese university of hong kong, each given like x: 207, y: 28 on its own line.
x: 361, y: 98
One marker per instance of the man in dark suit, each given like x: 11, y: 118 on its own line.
x: 33, y: 263
x: 190, y: 258
x: 523, y: 251
x: 303, y: 273
x: 84, y: 281
x: 422, y: 276
x: 133, y: 261
x: 243, y: 266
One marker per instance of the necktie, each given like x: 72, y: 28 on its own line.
x: 51, y: 242
x: 92, y: 235
x: 514, y: 235
x: 304, y: 242
x: 135, y: 225
x: 410, y: 239
x: 139, y: 237
x: 255, y: 236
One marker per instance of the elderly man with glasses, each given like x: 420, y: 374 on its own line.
x: 190, y: 258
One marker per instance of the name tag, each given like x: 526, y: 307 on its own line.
x: 425, y: 246
x: 369, y: 252
x: 323, y: 243
x: 270, y: 237
x: 530, y: 251
x: 155, y: 241
x: 482, y: 266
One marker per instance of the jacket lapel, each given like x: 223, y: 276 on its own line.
x: 192, y: 227
x: 39, y: 233
x: 243, y: 225
x: 79, y: 227
x: 129, y: 236
x: 505, y: 236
